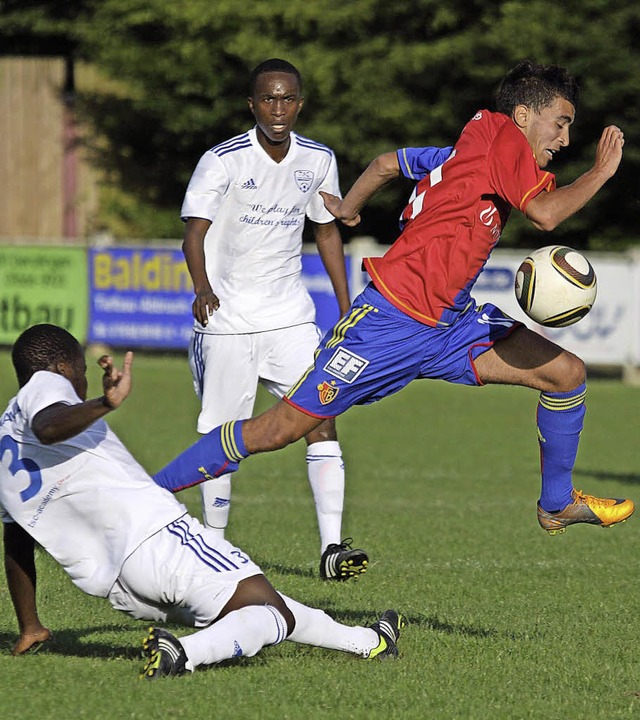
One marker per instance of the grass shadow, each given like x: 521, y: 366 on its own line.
x: 626, y: 478
x: 69, y: 643
x: 366, y: 617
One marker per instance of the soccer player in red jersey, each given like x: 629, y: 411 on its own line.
x: 417, y: 317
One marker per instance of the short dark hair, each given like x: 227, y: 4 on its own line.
x: 272, y: 65
x: 40, y: 347
x: 535, y: 86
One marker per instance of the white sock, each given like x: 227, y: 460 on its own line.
x: 326, y: 477
x: 216, y: 501
x: 243, y: 632
x: 315, y: 627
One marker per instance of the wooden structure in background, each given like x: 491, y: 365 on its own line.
x: 48, y: 189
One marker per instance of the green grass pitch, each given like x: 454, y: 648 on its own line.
x: 442, y: 482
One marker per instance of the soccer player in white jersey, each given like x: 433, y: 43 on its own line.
x: 68, y: 483
x: 244, y: 212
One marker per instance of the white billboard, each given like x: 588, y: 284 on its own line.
x: 608, y: 335
x: 604, y: 336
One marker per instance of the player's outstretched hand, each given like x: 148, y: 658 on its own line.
x: 334, y: 206
x: 116, y: 384
x: 31, y: 641
x: 609, y: 150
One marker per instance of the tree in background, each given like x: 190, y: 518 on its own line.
x: 377, y: 75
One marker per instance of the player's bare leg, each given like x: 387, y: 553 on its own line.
x: 528, y: 359
x: 277, y: 427
x: 257, y: 590
x: 221, y: 450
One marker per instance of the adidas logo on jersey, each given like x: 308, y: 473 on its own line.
x: 249, y: 185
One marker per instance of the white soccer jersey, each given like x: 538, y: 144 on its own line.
x: 257, y: 208
x: 86, y: 500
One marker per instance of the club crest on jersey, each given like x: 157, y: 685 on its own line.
x: 345, y: 365
x: 303, y: 178
x: 327, y: 392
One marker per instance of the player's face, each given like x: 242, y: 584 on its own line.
x: 275, y: 106
x: 76, y: 374
x: 548, y: 129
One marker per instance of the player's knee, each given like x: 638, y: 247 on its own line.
x: 572, y: 373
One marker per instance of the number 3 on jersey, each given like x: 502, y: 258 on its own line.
x: 16, y: 463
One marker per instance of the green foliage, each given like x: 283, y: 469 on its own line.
x: 377, y: 76
x: 504, y: 621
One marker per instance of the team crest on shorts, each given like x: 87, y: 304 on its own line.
x: 303, y: 178
x: 327, y: 392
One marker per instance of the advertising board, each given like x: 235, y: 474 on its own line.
x: 42, y: 285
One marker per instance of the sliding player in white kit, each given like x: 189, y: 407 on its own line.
x: 245, y: 209
x: 68, y: 483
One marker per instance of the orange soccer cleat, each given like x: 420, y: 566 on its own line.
x: 586, y: 509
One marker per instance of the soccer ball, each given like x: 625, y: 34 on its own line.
x: 556, y: 286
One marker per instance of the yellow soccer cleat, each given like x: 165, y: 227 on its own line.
x: 586, y: 509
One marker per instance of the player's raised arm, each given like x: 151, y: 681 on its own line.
x: 547, y: 210
x: 60, y: 421
x: 380, y: 171
x: 20, y: 570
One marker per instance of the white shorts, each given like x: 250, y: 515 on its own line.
x: 226, y: 369
x: 184, y: 573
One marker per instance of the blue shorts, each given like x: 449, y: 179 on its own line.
x: 375, y: 350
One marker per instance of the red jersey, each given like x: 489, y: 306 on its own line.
x: 455, y: 219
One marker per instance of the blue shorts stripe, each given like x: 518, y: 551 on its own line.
x: 208, y: 555
x: 198, y: 360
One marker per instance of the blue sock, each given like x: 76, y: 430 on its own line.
x: 560, y: 421
x: 217, y: 453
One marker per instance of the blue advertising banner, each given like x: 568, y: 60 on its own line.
x: 318, y: 285
x: 141, y: 297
